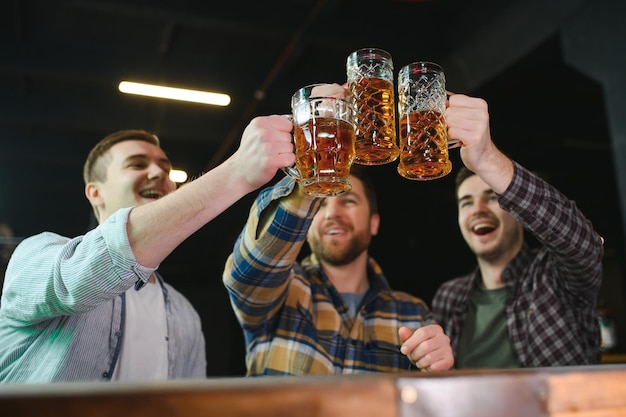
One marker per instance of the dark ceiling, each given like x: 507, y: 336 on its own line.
x: 61, y: 62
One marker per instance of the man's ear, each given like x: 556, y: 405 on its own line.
x: 374, y: 223
x: 92, y: 192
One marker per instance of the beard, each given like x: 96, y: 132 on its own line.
x: 336, y: 254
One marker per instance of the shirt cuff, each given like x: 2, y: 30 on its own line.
x: 115, y: 236
x: 294, y: 202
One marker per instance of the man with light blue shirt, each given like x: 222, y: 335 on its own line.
x: 94, y: 307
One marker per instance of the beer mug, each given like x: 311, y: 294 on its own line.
x: 423, y: 129
x: 370, y: 82
x: 324, y: 135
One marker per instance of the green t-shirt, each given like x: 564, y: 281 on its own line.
x: 484, y: 339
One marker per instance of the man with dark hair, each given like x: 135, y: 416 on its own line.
x: 522, y: 306
x: 94, y: 307
x: 333, y: 312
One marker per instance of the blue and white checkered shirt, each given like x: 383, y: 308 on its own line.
x: 62, y: 309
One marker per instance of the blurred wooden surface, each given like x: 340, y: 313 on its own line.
x: 595, y: 391
x: 228, y: 397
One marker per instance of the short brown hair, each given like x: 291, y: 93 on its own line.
x: 463, y: 174
x: 370, y: 192
x: 94, y: 171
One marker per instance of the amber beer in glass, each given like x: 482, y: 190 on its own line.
x: 370, y: 82
x: 423, y: 129
x: 324, y: 136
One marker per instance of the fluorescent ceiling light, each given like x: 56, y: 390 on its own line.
x: 172, y: 93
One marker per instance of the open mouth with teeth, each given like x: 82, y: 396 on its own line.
x: 153, y: 194
x: 483, y: 228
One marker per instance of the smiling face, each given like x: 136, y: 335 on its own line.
x: 343, y: 228
x: 490, y: 232
x: 137, y: 172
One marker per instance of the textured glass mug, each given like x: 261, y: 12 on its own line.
x: 324, y: 135
x: 370, y: 82
x: 423, y: 129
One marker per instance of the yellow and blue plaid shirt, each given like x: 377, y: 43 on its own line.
x: 294, y: 320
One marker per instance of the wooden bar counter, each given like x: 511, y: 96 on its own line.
x: 594, y: 391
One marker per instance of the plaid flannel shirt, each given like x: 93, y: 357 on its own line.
x: 294, y: 320
x: 551, y: 310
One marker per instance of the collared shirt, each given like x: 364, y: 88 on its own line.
x: 551, y: 309
x: 62, y: 309
x: 294, y: 320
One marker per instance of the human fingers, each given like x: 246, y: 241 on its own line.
x: 448, y: 94
x: 330, y: 90
x: 278, y: 138
x: 439, y: 358
x: 465, y: 115
x: 463, y: 100
x: 428, y: 348
x: 467, y: 112
x: 418, y: 336
x: 265, y: 147
x: 404, y: 333
x: 467, y: 120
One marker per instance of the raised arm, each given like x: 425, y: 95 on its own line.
x: 156, y: 229
x: 468, y: 121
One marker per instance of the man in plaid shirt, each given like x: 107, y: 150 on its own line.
x: 521, y: 307
x: 333, y: 313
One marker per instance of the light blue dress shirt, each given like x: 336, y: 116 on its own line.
x: 63, y: 306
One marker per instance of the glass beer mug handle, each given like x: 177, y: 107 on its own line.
x: 291, y: 171
x: 454, y: 143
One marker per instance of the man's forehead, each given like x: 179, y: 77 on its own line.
x: 357, y: 184
x: 133, y: 143
x: 134, y: 146
x: 473, y: 185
